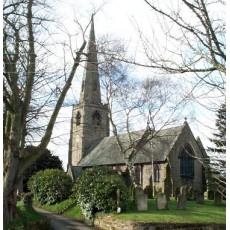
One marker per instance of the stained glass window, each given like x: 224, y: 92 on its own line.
x: 186, y: 162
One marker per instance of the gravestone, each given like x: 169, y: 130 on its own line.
x: 168, y: 184
x: 161, y: 201
x: 177, y: 192
x: 211, y: 195
x: 217, y: 198
x: 182, y: 198
x: 141, y: 200
x: 199, y: 197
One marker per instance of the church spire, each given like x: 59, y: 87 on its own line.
x: 90, y: 91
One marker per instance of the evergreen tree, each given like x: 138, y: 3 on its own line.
x: 217, y: 177
x: 219, y: 139
x: 46, y: 161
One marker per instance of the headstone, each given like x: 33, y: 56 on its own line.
x: 217, y: 198
x: 191, y: 194
x: 199, y: 197
x: 211, y: 195
x: 182, y: 198
x: 177, y: 192
x: 168, y: 183
x: 141, y: 200
x: 161, y: 201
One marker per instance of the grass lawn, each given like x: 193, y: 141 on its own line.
x: 25, y: 215
x: 73, y: 212
x: 194, y: 213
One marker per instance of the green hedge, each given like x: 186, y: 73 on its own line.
x: 50, y: 186
x: 96, y: 191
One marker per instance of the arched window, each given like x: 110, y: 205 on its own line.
x: 78, y: 118
x: 138, y: 174
x: 96, y: 118
x: 186, y: 162
x: 156, y: 173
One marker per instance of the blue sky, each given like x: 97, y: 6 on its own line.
x: 120, y: 19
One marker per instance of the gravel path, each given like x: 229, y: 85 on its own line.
x: 59, y: 222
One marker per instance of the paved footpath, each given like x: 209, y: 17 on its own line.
x: 59, y: 222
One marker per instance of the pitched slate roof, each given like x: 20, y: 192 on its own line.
x: 107, y: 152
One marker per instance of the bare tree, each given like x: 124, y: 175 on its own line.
x: 203, y: 54
x: 199, y: 40
x: 24, y: 80
x: 130, y: 99
x: 194, y: 47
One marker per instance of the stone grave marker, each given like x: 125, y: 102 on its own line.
x: 199, y: 197
x: 217, y: 198
x: 141, y: 200
x: 161, y: 201
x: 182, y: 198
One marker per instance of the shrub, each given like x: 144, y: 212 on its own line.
x: 50, y: 186
x: 96, y: 190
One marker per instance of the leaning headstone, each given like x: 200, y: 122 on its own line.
x: 161, y: 201
x: 182, y: 198
x: 217, y: 198
x: 141, y: 200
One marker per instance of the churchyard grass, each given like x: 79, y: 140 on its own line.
x: 73, y: 212
x: 194, y: 213
x: 25, y: 215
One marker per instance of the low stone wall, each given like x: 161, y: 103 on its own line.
x: 109, y: 223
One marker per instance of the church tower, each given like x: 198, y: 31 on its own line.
x: 89, y: 123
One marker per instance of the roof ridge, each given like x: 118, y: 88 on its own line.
x: 143, y: 130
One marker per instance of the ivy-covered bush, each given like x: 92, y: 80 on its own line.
x: 96, y: 191
x: 50, y: 186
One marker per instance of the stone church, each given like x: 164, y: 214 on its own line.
x: 171, y: 160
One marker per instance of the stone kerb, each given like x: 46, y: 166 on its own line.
x: 107, y: 222
x: 141, y: 200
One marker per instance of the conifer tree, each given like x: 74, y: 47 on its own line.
x: 219, y: 139
x: 218, y: 165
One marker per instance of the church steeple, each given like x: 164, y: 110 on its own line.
x: 90, y: 121
x: 90, y: 91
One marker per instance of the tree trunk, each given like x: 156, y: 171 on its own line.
x: 12, y: 155
x: 9, y: 207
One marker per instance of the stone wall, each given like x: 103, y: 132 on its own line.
x: 86, y: 134
x: 110, y: 223
x: 147, y: 173
x: 185, y: 138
